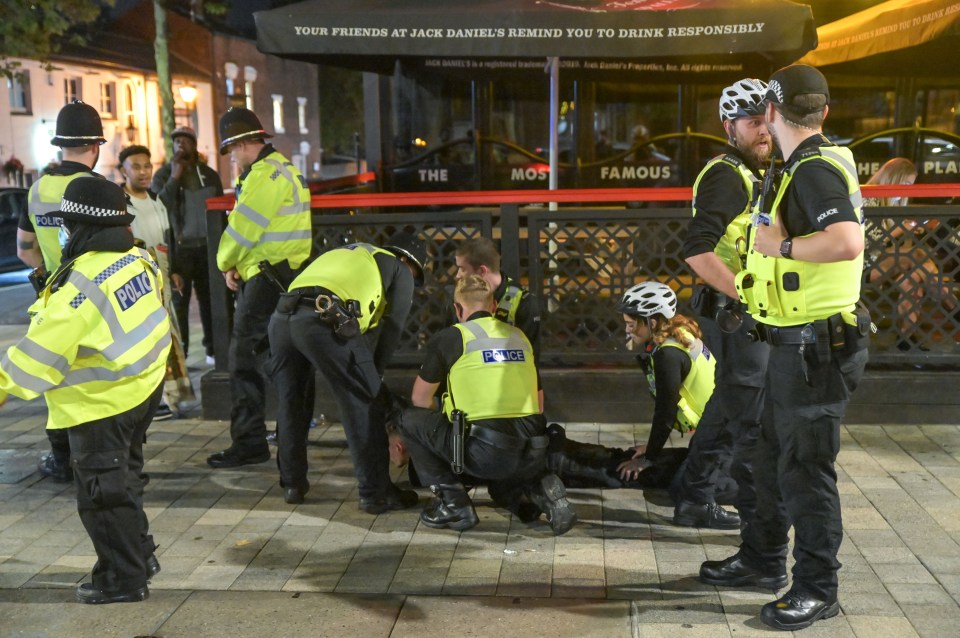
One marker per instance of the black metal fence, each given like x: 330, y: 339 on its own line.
x: 579, y: 261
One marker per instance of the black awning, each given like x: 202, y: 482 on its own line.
x: 666, y: 37
x: 898, y: 37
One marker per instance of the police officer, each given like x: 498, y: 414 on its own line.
x: 270, y: 222
x: 491, y: 378
x: 680, y: 370
x: 79, y: 134
x: 515, y: 304
x: 344, y: 315
x: 715, y: 248
x: 96, y: 349
x: 802, y: 284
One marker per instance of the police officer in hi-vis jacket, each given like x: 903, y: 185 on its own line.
x: 269, y: 223
x: 96, y: 349
x: 801, y: 283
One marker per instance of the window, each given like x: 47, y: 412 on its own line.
x: 108, y: 100
x: 302, y: 114
x: 230, y: 72
x: 249, y: 77
x: 278, y: 113
x: 72, y: 90
x: 19, y: 86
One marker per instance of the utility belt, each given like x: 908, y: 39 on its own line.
x: 516, y: 446
x: 502, y: 441
x: 340, y: 315
x: 833, y: 334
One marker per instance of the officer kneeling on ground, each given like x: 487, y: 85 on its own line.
x: 327, y: 319
x: 492, y: 426
x: 97, y: 349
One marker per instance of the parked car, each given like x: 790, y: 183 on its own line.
x: 13, y: 202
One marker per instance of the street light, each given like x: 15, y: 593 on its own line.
x: 188, y: 94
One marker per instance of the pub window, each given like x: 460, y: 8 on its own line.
x: 108, y: 100
x: 302, y: 114
x: 72, y: 89
x: 249, y: 77
x: 230, y: 73
x: 278, y: 113
x: 19, y: 86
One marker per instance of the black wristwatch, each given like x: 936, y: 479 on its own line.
x: 786, y: 248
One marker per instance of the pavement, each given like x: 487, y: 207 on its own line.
x: 238, y: 561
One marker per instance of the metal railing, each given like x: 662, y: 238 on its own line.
x: 579, y: 262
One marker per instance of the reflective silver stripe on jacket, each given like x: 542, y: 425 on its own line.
x: 483, y: 341
x: 253, y: 216
x: 283, y: 170
x: 86, y: 375
x: 856, y: 198
x: 123, y: 341
x: 237, y: 237
x: 39, y: 354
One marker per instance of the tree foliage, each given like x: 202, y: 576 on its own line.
x: 35, y: 29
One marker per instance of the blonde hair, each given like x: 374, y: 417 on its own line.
x: 473, y: 290
x: 894, y: 171
x: 681, y: 329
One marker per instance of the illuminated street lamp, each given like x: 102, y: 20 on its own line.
x: 188, y: 94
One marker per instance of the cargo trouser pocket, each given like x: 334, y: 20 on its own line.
x: 102, y: 476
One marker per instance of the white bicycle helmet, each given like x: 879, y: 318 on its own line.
x: 743, y: 98
x: 647, y: 299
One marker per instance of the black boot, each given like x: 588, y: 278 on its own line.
x: 451, y: 509
x: 733, y: 572
x: 797, y: 610
x: 709, y: 515
x: 550, y: 496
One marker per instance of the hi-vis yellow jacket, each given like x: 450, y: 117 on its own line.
x: 44, y: 197
x: 96, y: 347
x: 496, y: 376
x: 350, y: 272
x: 270, y: 221
x: 788, y: 292
x: 731, y: 249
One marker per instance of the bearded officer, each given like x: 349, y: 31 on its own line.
x: 715, y: 248
x: 79, y: 134
x: 96, y: 349
x: 269, y: 223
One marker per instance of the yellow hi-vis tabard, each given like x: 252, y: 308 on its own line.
x: 270, y: 221
x: 350, y: 272
x: 731, y: 249
x: 697, y: 386
x: 788, y: 292
x: 97, y: 347
x: 508, y: 304
x: 44, y: 197
x: 495, y: 377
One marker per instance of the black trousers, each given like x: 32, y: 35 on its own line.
x: 108, y: 472
x: 256, y: 301
x: 429, y: 438
x: 724, y: 442
x: 300, y: 342
x: 192, y: 266
x: 794, y: 471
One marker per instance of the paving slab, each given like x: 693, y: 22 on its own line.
x: 238, y: 561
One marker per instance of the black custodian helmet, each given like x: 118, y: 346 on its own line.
x: 78, y: 124
x: 239, y: 124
